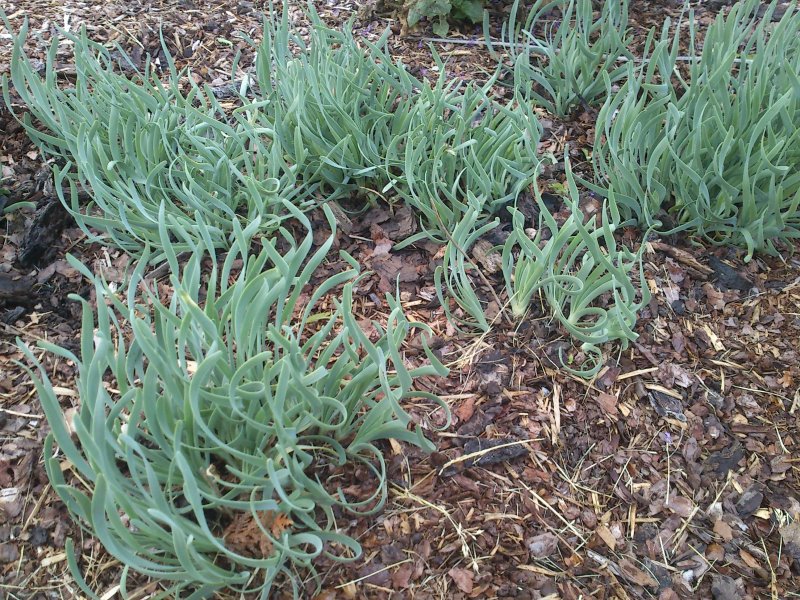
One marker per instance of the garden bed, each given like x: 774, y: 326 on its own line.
x: 671, y: 473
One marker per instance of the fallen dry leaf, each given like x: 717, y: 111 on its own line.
x: 463, y: 579
x: 382, y: 243
x: 790, y: 534
x: 543, y: 545
x: 723, y: 530
x: 608, y: 402
x: 681, y: 506
x: 401, y: 577
x: 749, y: 559
x: 484, y: 254
x: 716, y: 299
x: 668, y: 594
x: 715, y: 552
x: 8, y: 553
x: 465, y: 410
x: 724, y: 588
x: 605, y: 534
x: 635, y: 575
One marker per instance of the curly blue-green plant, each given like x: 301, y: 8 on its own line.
x: 145, y: 149
x: 581, y: 274
x: 720, y: 148
x: 240, y: 396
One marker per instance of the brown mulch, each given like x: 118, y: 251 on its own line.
x: 672, y: 474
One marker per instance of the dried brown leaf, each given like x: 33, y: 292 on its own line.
x: 608, y: 402
x: 465, y: 410
x: 681, y: 506
x: 635, y: 575
x: 749, y: 559
x: 401, y: 577
x: 543, y: 545
x: 463, y: 578
x: 605, y: 534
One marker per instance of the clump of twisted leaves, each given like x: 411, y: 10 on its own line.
x: 147, y: 151
x: 334, y: 106
x: 463, y: 148
x: 236, y: 404
x: 223, y: 409
x: 357, y: 123
x: 577, y: 267
x: 565, y: 68
x: 326, y: 119
x: 720, y: 149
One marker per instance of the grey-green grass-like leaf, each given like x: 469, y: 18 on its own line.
x: 141, y: 147
x: 453, y: 275
x: 568, y: 65
x: 335, y: 103
x: 462, y: 143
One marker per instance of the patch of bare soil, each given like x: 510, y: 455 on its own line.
x: 672, y: 474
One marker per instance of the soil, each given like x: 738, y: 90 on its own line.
x: 672, y: 474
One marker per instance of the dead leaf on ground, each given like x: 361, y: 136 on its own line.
x: 723, y: 530
x: 8, y: 553
x: 724, y: 588
x: 716, y: 299
x: 465, y: 410
x: 543, y: 545
x: 605, y: 534
x: 392, y: 269
x: 750, y: 560
x: 790, y: 534
x: 382, y: 243
x: 608, y: 402
x: 484, y: 254
x: 683, y: 507
x: 715, y: 553
x: 636, y: 575
x: 463, y: 578
x: 401, y: 577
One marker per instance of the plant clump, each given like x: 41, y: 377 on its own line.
x: 581, y: 273
x: 213, y: 426
x: 148, y: 152
x: 567, y: 66
x: 720, y: 149
x: 228, y: 416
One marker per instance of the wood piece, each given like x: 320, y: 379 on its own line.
x: 50, y: 220
x: 16, y: 289
x: 682, y: 256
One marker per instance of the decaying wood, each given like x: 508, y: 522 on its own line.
x: 16, y: 289
x: 50, y: 220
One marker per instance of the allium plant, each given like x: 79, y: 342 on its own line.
x: 356, y: 122
x: 580, y: 273
x: 147, y: 150
x: 463, y: 150
x: 721, y: 148
x: 566, y: 67
x: 208, y: 448
x: 455, y: 276
x: 336, y: 103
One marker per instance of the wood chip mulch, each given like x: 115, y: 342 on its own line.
x: 672, y: 474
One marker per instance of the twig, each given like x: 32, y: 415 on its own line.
x: 360, y: 579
